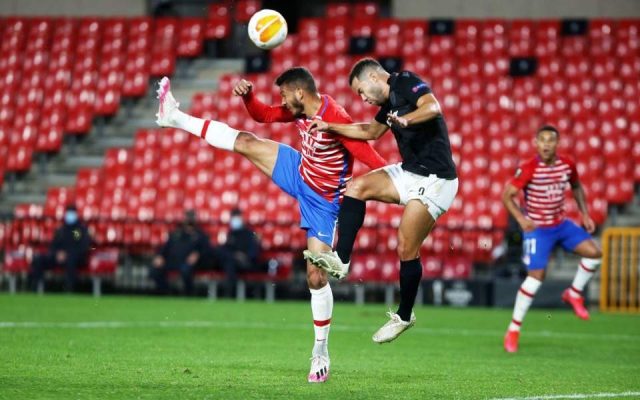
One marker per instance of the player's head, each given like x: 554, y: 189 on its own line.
x: 546, y: 142
x: 296, y: 86
x: 369, y: 80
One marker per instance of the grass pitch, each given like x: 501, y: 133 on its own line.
x: 149, y: 348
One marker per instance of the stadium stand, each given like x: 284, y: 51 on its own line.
x: 585, y: 82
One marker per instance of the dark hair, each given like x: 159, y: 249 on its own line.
x: 548, y: 128
x: 361, y: 66
x: 298, y: 76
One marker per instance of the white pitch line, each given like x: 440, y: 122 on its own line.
x: 573, y: 396
x: 277, y: 326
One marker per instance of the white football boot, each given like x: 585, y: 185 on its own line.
x: 166, y: 104
x: 319, y: 371
x: 393, y: 328
x: 328, y: 261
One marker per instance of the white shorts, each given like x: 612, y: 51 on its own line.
x: 435, y: 193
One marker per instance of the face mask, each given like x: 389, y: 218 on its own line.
x: 235, y: 223
x: 70, y: 217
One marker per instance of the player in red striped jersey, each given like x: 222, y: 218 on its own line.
x: 544, y: 180
x: 316, y: 176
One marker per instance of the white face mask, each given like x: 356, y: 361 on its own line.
x: 235, y: 223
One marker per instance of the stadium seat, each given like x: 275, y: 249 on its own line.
x: 521, y: 38
x: 190, y: 37
x: 244, y: 9
x: 218, y: 23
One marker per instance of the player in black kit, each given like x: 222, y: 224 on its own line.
x: 425, y: 182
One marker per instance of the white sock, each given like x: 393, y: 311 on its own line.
x: 524, y: 298
x: 321, y: 309
x: 585, y: 271
x: 217, y: 134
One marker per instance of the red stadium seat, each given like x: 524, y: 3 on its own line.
x: 467, y: 34
x: 190, y: 37
x: 368, y: 9
x: 338, y: 10
x: 364, y: 268
x: 57, y: 199
x: 601, y: 37
x: 522, y: 38
x: 244, y: 9
x: 163, y: 49
x: 218, y: 24
x: 547, y: 38
x: 457, y: 268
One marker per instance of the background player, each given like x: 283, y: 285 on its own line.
x: 316, y: 176
x: 544, y: 179
x: 426, y: 180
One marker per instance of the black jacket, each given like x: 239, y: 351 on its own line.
x: 74, y: 239
x: 181, y: 243
x: 243, y: 240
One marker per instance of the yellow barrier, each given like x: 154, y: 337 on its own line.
x: 619, y: 272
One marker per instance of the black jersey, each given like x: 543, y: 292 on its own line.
x: 425, y: 147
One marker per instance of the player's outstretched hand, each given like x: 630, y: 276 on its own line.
x: 527, y: 225
x: 318, y: 125
x: 588, y: 223
x: 242, y: 88
x: 394, y: 119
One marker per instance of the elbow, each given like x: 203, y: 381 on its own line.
x: 436, y: 110
x: 506, y: 198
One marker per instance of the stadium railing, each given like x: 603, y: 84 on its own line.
x: 620, y: 271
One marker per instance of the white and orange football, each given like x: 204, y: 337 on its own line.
x: 267, y: 29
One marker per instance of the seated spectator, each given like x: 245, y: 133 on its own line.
x: 69, y: 250
x: 186, y: 247
x: 239, y: 253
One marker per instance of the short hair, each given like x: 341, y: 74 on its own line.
x: 548, y: 128
x: 298, y: 76
x: 361, y: 66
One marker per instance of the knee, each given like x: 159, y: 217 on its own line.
x: 244, y: 141
x: 406, y: 251
x: 595, y: 253
x: 357, y: 189
x: 316, y: 278
x: 537, y: 274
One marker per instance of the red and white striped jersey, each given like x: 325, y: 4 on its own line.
x: 327, y: 158
x: 326, y: 164
x: 545, y: 187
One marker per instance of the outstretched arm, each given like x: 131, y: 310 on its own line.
x: 360, y: 131
x: 257, y: 109
x: 364, y: 152
x: 427, y: 108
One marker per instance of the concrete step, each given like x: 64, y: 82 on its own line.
x: 79, y: 161
x: 10, y: 200
x: 36, y: 183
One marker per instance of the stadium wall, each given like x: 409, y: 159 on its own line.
x: 515, y: 8
x: 73, y: 7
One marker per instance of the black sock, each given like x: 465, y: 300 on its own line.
x: 350, y: 219
x: 410, y: 275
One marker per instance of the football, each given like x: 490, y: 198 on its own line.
x: 267, y: 29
